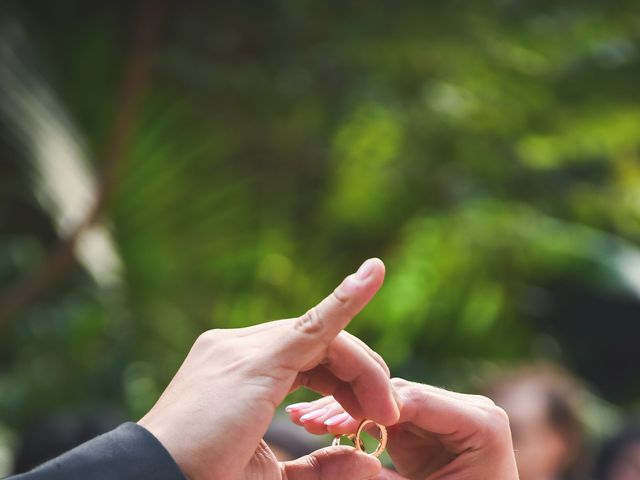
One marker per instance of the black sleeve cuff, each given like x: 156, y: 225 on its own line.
x: 126, y: 453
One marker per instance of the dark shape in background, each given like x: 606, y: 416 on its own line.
x: 599, y: 333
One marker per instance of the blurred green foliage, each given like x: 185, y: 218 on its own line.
x: 482, y: 149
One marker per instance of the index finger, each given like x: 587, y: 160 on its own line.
x: 457, y: 419
x: 355, y: 379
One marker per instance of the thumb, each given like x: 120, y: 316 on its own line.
x: 333, y: 463
x: 386, y: 474
x: 321, y: 324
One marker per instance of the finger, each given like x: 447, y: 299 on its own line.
x: 335, y: 422
x: 333, y: 463
x: 453, y: 419
x: 315, y: 330
x: 317, y: 411
x: 328, y: 404
x: 341, y: 424
x: 370, y: 384
x: 313, y: 422
x: 431, y: 410
x: 333, y: 419
x: 299, y: 409
x: 386, y: 474
x: 478, y: 400
x: 354, y: 373
x: 296, y: 407
x: 372, y: 353
x: 322, y: 380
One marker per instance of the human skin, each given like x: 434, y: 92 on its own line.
x: 440, y: 434
x: 213, y: 415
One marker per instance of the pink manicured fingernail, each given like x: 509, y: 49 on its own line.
x: 297, y: 406
x: 335, y: 420
x: 313, y: 415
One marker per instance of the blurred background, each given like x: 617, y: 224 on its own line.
x: 171, y: 167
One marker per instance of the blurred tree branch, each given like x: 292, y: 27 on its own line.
x: 136, y: 81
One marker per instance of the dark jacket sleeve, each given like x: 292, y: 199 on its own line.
x: 128, y: 452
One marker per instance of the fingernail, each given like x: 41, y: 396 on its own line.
x: 297, y: 406
x: 313, y: 415
x: 365, y: 269
x: 335, y: 420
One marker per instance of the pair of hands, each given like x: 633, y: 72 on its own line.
x: 214, y: 413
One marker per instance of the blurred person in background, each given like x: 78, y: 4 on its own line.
x: 543, y: 403
x: 619, y: 458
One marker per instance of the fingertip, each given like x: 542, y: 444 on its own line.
x: 370, y: 274
x: 369, y: 465
x: 379, y: 264
x: 337, y: 419
x: 345, y: 428
x: 387, y: 411
x: 377, y: 402
x: 296, y: 407
x: 395, y: 412
x: 313, y: 415
x: 386, y: 474
x: 295, y: 414
x: 295, y: 417
x: 371, y: 266
x: 334, y: 463
x: 358, y: 465
x: 388, y: 415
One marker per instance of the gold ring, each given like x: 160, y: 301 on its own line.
x: 383, y: 438
x: 338, y: 438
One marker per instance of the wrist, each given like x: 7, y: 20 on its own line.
x: 175, y: 449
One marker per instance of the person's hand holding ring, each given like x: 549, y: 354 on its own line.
x: 213, y: 414
x: 440, y: 435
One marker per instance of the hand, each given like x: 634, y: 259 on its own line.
x: 440, y: 435
x: 212, y: 416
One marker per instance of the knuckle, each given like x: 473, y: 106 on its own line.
x: 310, y: 323
x: 209, y: 337
x: 399, y: 382
x: 499, y: 417
x: 340, y: 296
x: 314, y: 462
x: 494, y: 425
x: 332, y: 357
x: 482, y: 400
x: 413, y: 393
